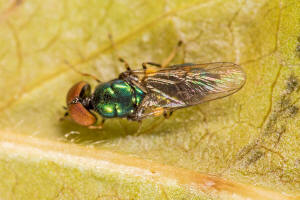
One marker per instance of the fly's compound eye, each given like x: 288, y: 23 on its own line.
x: 77, y: 111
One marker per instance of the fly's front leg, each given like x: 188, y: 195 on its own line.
x: 119, y: 57
x: 66, y: 115
x: 82, y: 73
x: 99, y: 126
x: 125, y: 64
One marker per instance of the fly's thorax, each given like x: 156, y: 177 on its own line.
x: 116, y: 98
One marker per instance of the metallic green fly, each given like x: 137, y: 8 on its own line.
x: 153, y: 91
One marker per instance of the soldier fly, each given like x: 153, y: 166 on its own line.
x: 153, y: 91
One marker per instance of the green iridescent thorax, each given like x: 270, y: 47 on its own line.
x: 116, y: 98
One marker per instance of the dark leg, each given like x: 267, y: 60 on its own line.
x: 168, y: 115
x: 64, y: 117
x: 114, y: 48
x: 125, y: 64
x: 81, y: 73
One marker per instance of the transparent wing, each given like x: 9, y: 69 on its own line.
x: 190, y: 84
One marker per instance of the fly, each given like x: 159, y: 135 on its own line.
x: 152, y: 91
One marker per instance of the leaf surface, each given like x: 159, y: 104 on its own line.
x: 243, y: 146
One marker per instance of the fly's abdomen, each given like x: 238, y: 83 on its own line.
x: 116, y: 99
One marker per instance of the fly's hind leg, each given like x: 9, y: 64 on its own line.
x: 147, y: 70
x: 144, y: 64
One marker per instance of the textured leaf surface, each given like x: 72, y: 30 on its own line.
x: 243, y: 146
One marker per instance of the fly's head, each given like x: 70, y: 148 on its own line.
x: 79, y: 104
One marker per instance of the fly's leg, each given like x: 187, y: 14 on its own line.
x: 81, y: 73
x: 66, y: 115
x: 144, y: 64
x: 119, y: 58
x: 125, y: 64
x: 99, y: 126
x: 167, y: 115
x: 138, y: 114
x: 150, y: 70
x: 156, y: 112
x: 165, y: 63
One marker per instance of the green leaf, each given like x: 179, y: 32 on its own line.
x: 245, y: 146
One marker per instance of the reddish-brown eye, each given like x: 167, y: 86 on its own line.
x: 76, y: 110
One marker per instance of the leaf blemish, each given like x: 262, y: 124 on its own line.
x: 292, y: 83
x: 276, y: 125
x: 298, y: 48
x: 255, y: 156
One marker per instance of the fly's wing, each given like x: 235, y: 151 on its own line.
x: 190, y: 84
